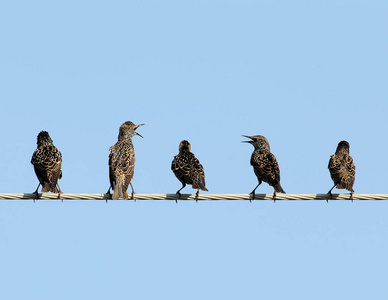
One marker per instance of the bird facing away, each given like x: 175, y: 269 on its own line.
x: 188, y: 169
x: 122, y: 161
x: 47, y: 161
x: 342, y: 169
x: 264, y: 164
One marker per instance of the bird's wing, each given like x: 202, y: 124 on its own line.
x: 350, y: 166
x: 266, y: 166
x: 197, y: 174
x: 39, y: 166
x: 181, y: 166
x: 350, y: 173
x: 335, y: 168
x: 47, y: 161
x: 55, y: 166
x: 342, y: 171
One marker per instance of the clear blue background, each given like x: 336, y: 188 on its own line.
x: 305, y: 74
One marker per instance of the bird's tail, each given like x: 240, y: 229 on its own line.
x: 345, y: 185
x: 119, y: 192
x: 47, y: 187
x: 278, y: 188
x: 200, y: 185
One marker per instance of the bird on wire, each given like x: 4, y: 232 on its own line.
x: 264, y: 164
x: 47, y: 161
x: 342, y: 169
x: 122, y: 161
x: 188, y: 169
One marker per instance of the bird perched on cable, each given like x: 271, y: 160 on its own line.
x: 264, y: 164
x: 122, y: 161
x: 188, y: 169
x: 342, y: 169
x: 47, y: 161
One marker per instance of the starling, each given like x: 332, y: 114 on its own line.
x: 342, y: 168
x: 188, y: 169
x: 47, y: 161
x: 122, y: 161
x: 264, y: 164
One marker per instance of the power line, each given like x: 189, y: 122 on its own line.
x: 202, y: 197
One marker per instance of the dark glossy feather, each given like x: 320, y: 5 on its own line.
x: 342, y: 171
x: 121, y: 168
x: 122, y: 161
x: 266, y: 168
x: 264, y: 163
x: 188, y: 169
x: 47, y: 161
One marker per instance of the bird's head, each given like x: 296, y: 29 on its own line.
x: 258, y: 141
x: 44, y: 138
x: 343, y: 146
x: 128, y: 130
x: 184, y: 146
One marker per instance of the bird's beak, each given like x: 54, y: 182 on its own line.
x: 247, y: 136
x: 137, y: 126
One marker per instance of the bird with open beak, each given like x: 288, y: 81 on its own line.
x: 122, y: 161
x: 264, y: 164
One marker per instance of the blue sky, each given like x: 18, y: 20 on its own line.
x: 305, y: 74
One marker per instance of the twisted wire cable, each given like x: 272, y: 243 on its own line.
x: 202, y: 197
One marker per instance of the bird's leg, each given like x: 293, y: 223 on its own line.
x: 110, y: 195
x: 196, y: 196
x: 36, y: 193
x: 179, y: 191
x: 133, y: 192
x: 59, y: 192
x: 253, y: 193
x: 329, y: 192
x: 351, y: 196
x: 274, y: 197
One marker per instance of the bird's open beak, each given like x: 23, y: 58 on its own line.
x: 137, y: 126
x: 247, y: 136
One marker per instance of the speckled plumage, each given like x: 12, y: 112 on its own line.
x: 47, y: 161
x: 264, y: 164
x: 342, y: 168
x: 122, y: 161
x: 188, y: 169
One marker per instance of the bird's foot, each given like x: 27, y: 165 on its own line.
x: 252, y: 196
x: 110, y: 195
x: 196, y: 196
x: 36, y: 195
x: 351, y: 196
x: 330, y: 197
x: 274, y: 197
x: 179, y: 196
